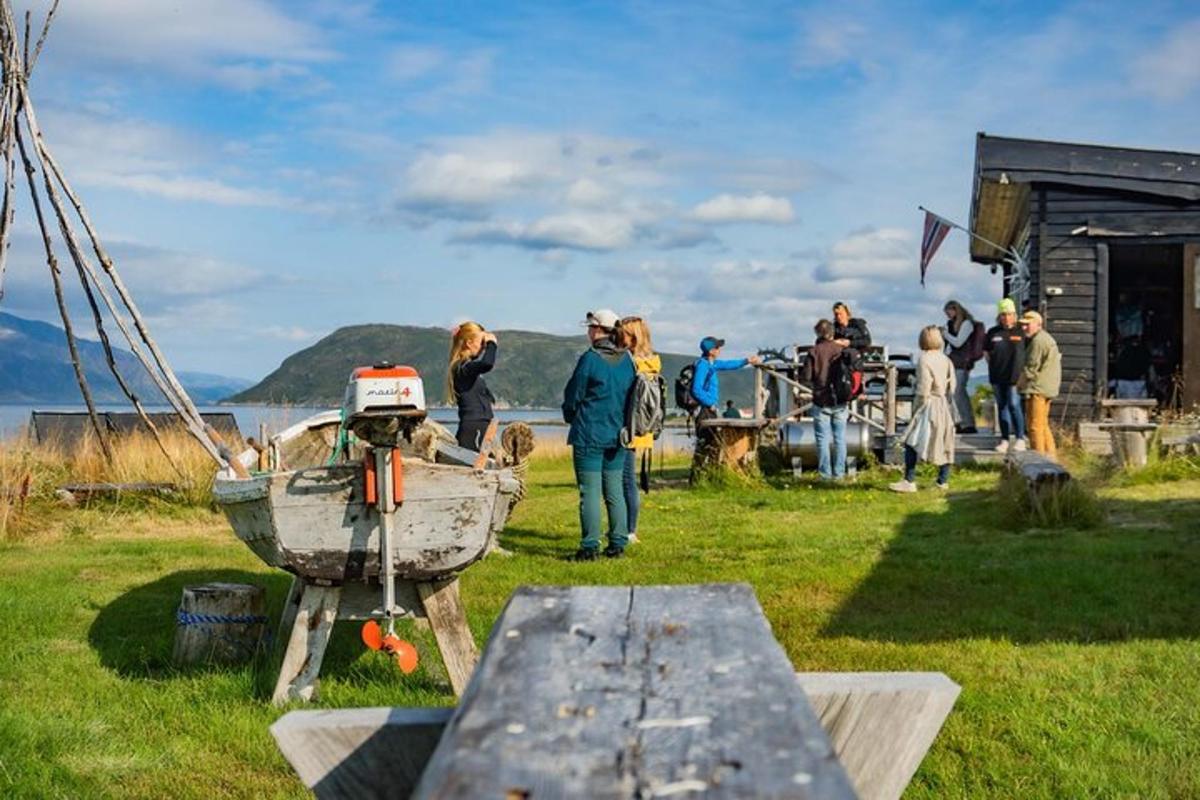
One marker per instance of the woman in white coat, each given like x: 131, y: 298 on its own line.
x: 930, y: 434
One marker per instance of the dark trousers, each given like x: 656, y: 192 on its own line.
x: 629, y: 480
x: 471, y: 432
x: 910, y: 467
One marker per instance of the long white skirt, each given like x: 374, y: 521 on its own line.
x: 931, y: 431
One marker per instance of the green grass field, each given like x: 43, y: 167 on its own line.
x: 1076, y: 649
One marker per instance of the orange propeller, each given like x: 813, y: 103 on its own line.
x: 403, y: 652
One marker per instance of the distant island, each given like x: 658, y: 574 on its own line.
x: 531, y: 369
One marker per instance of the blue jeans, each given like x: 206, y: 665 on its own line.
x: 1009, y: 411
x: 598, y: 472
x: 830, y: 422
x: 910, y: 467
x: 633, y: 500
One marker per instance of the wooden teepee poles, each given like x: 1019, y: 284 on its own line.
x: 16, y: 107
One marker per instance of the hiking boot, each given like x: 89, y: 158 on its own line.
x: 1002, y: 448
x: 1019, y: 446
x: 614, y: 552
x: 584, y: 555
x: 904, y: 487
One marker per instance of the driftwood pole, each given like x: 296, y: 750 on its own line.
x: 15, y: 104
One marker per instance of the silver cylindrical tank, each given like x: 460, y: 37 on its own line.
x: 799, y: 440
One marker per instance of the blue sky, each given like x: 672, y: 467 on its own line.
x: 266, y: 172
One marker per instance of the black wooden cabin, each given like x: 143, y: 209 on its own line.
x: 1111, y: 237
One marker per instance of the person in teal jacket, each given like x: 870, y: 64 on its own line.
x: 594, y: 402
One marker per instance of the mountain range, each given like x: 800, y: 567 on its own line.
x: 531, y: 368
x: 35, y: 367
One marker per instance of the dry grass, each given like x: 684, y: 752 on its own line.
x: 555, y: 449
x: 31, y: 473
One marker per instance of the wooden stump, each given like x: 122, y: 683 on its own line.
x: 730, y: 443
x: 219, y: 623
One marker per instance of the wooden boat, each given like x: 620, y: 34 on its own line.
x: 312, y: 519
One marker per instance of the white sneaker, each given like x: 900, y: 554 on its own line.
x: 904, y: 487
x: 1002, y: 448
x: 945, y: 487
x: 633, y: 538
x: 1019, y: 445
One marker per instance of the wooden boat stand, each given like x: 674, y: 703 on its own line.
x: 312, y: 608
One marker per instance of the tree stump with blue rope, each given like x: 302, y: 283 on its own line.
x: 219, y: 623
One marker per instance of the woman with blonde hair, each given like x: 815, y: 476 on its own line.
x: 472, y: 353
x: 965, y: 337
x: 930, y: 433
x: 634, y: 336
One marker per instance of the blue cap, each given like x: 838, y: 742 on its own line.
x: 710, y: 343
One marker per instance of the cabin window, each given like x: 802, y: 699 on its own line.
x: 1145, y: 336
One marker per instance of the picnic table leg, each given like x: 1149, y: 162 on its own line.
x: 448, y: 620
x: 306, y: 645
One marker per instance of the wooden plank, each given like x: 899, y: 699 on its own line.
x: 306, y: 646
x: 448, y: 621
x: 361, y: 753
x: 1180, y: 223
x: 618, y: 692
x: 881, y: 723
x: 1191, y: 325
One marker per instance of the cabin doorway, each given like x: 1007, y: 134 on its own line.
x: 1146, y: 322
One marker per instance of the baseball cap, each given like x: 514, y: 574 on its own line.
x: 1006, y: 306
x: 602, y: 318
x: 1031, y: 316
x: 709, y: 343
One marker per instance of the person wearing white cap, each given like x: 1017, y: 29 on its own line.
x: 594, y: 403
x: 1004, y: 348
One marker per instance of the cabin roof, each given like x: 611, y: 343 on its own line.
x: 1005, y: 168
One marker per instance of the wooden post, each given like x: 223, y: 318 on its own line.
x: 1130, y: 429
x: 264, y: 461
x: 219, y: 622
x: 448, y: 621
x: 889, y: 399
x: 760, y: 402
x: 306, y: 646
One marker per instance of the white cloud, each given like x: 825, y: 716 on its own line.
x: 1171, y: 70
x: 458, y: 178
x: 728, y: 208
x: 185, y: 188
x: 413, y: 61
x: 829, y: 40
x: 573, y: 230
x: 873, y: 254
x: 217, y: 40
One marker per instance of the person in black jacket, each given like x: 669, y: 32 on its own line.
x: 1004, y: 348
x: 472, y: 353
x: 849, y: 331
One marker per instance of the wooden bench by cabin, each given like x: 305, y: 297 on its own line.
x: 631, y: 692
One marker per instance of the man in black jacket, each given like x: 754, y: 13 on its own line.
x: 1004, y: 347
x: 849, y: 331
x: 829, y: 416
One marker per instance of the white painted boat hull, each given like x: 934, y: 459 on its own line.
x: 315, y: 523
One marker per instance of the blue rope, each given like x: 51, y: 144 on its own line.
x: 185, y: 618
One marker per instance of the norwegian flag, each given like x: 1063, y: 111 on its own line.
x: 936, y: 229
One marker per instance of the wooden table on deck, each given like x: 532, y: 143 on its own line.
x: 619, y: 692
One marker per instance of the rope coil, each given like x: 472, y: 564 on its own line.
x: 187, y: 618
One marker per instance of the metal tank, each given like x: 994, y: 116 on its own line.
x: 798, y: 440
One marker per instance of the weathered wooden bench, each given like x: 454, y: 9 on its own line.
x: 1130, y: 427
x: 1043, y: 475
x: 632, y: 692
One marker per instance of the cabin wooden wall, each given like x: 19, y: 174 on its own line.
x: 1058, y: 259
x: 1077, y: 264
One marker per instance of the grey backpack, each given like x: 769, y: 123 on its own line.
x: 646, y: 408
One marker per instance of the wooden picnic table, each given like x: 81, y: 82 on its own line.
x: 620, y: 692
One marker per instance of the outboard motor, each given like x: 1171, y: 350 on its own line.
x: 383, y: 403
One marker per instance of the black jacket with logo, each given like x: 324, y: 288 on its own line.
x: 1006, y: 354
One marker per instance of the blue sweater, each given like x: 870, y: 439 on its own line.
x: 595, y: 397
x: 706, y: 386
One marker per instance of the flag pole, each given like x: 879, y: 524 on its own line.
x: 1007, y: 250
x: 1016, y: 283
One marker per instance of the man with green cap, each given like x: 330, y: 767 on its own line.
x: 1004, y: 347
